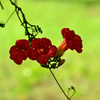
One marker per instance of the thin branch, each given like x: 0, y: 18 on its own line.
x: 72, y: 94
x: 34, y: 28
x: 1, y: 5
x: 59, y: 84
x: 9, y: 17
x: 17, y: 11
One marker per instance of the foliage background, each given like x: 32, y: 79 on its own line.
x: 30, y: 81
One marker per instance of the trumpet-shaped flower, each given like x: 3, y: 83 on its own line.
x: 71, y: 41
x: 41, y: 50
x: 19, y: 51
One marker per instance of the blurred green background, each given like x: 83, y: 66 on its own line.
x: 29, y: 81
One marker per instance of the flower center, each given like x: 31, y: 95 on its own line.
x: 40, y: 51
x: 23, y: 50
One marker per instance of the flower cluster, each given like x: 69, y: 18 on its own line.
x: 42, y: 50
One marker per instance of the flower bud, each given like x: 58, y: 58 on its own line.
x: 44, y: 65
x: 61, y: 62
x: 53, y: 65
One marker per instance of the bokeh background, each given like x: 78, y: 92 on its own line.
x: 29, y: 81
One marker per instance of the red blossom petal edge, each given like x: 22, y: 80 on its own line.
x: 19, y: 51
x: 41, y: 50
x: 73, y: 41
x: 43, y: 58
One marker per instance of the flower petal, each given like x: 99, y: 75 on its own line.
x: 18, y: 60
x: 69, y: 35
x: 33, y: 54
x: 23, y: 44
x: 35, y: 43
x: 52, y: 51
x: 14, y: 51
x: 77, y: 43
x: 43, y: 58
x: 45, y: 42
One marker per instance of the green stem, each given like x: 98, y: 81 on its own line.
x: 59, y: 84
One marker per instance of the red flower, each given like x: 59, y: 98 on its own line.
x: 19, y: 51
x: 71, y: 41
x: 41, y: 50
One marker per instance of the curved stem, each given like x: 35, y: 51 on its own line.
x: 24, y: 23
x: 18, y: 13
x: 59, y: 84
x: 16, y: 9
x: 72, y: 94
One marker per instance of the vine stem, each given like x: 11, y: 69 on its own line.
x: 59, y: 84
x: 9, y: 17
x: 24, y: 23
x: 1, y: 5
x: 15, y: 1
